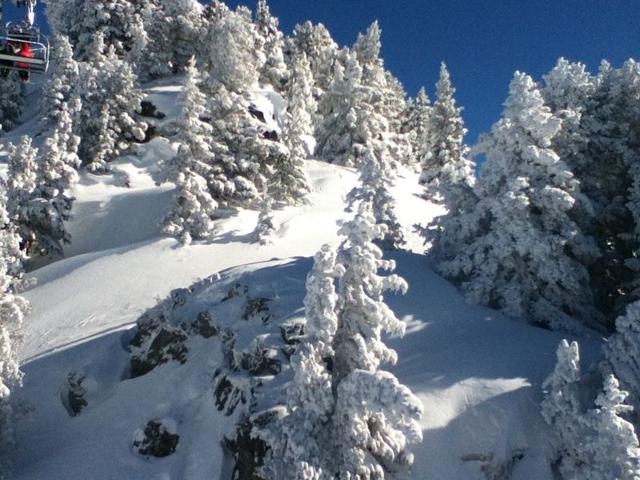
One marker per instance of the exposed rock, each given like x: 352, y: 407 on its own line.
x: 73, y: 394
x: 257, y: 308
x: 167, y: 345
x: 157, y: 440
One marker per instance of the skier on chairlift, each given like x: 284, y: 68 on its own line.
x: 19, y: 42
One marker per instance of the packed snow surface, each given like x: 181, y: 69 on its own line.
x: 477, y: 373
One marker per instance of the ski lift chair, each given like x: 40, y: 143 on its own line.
x: 23, y: 48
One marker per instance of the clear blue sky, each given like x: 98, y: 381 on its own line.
x: 482, y: 41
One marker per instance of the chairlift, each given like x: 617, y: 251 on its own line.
x: 22, y: 47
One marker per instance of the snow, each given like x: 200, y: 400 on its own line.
x: 477, y: 373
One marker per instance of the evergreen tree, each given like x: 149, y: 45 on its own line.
x: 622, y: 353
x: 11, y: 101
x: 613, y: 452
x: 274, y: 71
x: 345, y: 418
x: 265, y: 227
x: 81, y: 20
x: 418, y: 126
x: 376, y: 178
x: 515, y: 251
x: 375, y: 417
x: 230, y: 55
x: 321, y: 50
x: 245, y: 154
x: 591, y: 443
x: 289, y: 183
x: 62, y: 80
x: 13, y: 308
x: 193, y: 210
x: 298, y: 441
x: 172, y: 29
x: 22, y: 180
x: 110, y: 97
x: 447, y: 173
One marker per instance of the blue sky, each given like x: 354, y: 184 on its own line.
x: 482, y: 41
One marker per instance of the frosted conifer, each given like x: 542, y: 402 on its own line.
x: 193, y: 209
x: 11, y: 101
x: 515, y: 249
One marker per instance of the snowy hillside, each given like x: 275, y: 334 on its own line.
x: 477, y: 373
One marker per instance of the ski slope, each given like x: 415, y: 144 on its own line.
x: 477, y: 373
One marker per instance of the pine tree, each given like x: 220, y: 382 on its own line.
x: 561, y: 406
x: 515, y: 249
x: 345, y: 418
x: 230, y: 54
x: 274, y: 71
x: 376, y: 178
x: 321, y: 50
x: 418, y: 126
x: 110, y: 97
x: 80, y: 20
x: 591, y: 443
x: 13, y: 308
x: 289, y: 183
x: 193, y: 210
x: 447, y: 173
x: 622, y: 353
x: 265, y: 227
x: 298, y: 441
x: 63, y: 78
x: 11, y: 101
x: 613, y: 451
x: 375, y: 417
x: 22, y: 180
x: 172, y: 29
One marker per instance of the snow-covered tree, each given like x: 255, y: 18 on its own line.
x: 613, y: 452
x: 80, y: 20
x: 561, y: 407
x: 321, y: 50
x: 289, y: 183
x: 345, y: 418
x: 376, y: 179
x: 274, y: 71
x: 230, y: 55
x: 622, y: 353
x: 298, y: 442
x: 11, y: 100
x: 592, y: 442
x: 375, y: 417
x: 62, y: 80
x: 193, y: 210
x: 265, y: 227
x: 447, y: 172
x: 172, y: 28
x: 13, y: 308
x: 110, y: 97
x: 22, y: 179
x: 515, y: 251
x: 418, y: 126
x: 245, y: 152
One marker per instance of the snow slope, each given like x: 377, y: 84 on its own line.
x: 477, y: 373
